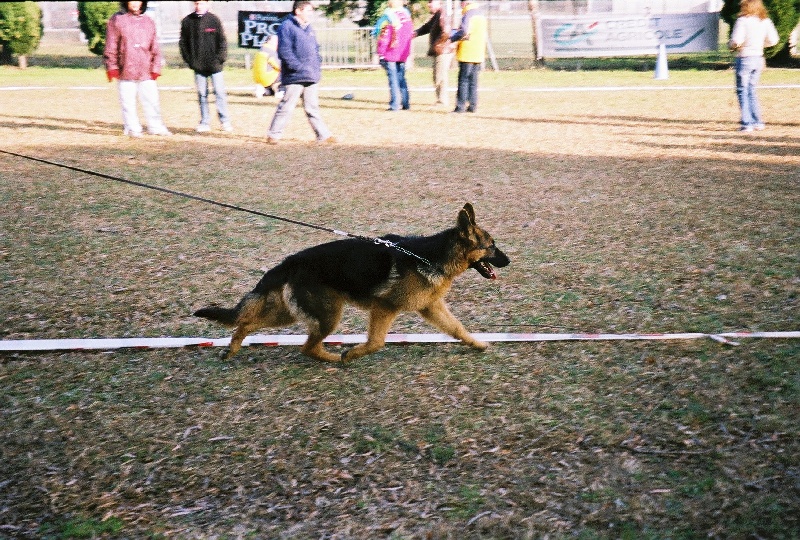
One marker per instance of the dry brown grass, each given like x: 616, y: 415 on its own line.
x: 638, y: 211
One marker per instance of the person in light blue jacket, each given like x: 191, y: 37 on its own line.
x: 301, y: 70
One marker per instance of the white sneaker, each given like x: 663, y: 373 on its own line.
x: 163, y: 132
x: 279, y: 94
x: 259, y: 91
x: 132, y: 134
x: 202, y: 128
x: 227, y: 127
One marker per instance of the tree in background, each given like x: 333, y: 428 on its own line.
x: 784, y: 13
x: 339, y: 9
x: 20, y: 31
x: 93, y: 18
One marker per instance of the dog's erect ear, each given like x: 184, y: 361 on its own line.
x: 470, y: 212
x: 466, y: 221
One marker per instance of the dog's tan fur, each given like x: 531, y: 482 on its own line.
x: 314, y: 285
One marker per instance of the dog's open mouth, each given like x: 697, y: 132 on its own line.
x: 485, y: 269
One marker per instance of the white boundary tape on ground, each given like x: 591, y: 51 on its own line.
x: 285, y: 339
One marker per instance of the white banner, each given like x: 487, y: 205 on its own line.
x: 626, y: 35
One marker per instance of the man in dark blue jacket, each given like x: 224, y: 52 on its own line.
x: 204, y: 48
x: 300, y: 71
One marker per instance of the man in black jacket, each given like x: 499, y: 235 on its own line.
x: 204, y: 48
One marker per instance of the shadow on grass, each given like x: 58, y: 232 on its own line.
x: 727, y: 137
x: 98, y: 127
x: 650, y: 435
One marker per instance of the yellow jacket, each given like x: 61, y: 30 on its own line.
x: 471, y: 36
x: 266, y: 67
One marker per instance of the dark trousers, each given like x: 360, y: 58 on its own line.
x: 467, y: 86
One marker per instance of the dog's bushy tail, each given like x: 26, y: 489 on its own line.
x: 224, y: 316
x: 272, y: 280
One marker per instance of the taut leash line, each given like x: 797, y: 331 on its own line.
x: 379, y: 241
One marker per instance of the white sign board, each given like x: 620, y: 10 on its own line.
x: 626, y: 35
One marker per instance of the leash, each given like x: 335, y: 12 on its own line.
x: 377, y: 241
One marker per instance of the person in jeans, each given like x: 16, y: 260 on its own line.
x: 752, y: 31
x: 394, y: 30
x: 204, y: 48
x: 470, y: 53
x: 133, y: 56
x: 440, y: 48
x: 301, y: 68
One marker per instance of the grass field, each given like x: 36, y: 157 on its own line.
x: 636, y: 209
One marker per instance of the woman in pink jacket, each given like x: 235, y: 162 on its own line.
x: 394, y: 30
x: 133, y: 56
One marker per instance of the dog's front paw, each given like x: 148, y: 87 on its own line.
x: 480, y: 345
x: 350, y: 354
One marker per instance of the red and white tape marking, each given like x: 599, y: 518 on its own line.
x: 350, y: 339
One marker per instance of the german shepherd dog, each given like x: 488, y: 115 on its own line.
x: 313, y: 286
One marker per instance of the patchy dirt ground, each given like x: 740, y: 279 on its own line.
x: 622, y: 212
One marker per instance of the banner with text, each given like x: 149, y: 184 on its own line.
x: 257, y: 26
x: 626, y: 35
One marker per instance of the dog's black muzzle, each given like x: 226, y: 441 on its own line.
x: 485, y: 266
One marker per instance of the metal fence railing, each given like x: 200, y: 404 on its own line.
x: 346, y: 47
x: 617, y: 7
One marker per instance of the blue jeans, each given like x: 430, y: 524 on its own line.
x: 398, y: 88
x: 467, y: 86
x: 748, y: 71
x: 201, y: 82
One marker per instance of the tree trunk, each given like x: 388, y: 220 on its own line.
x: 22, y: 61
x: 6, y: 59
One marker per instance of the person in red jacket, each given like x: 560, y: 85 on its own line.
x: 133, y: 56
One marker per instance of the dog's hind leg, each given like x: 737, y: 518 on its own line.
x: 242, y: 331
x: 320, y: 326
x: 439, y: 316
x: 258, y: 311
x: 380, y: 320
